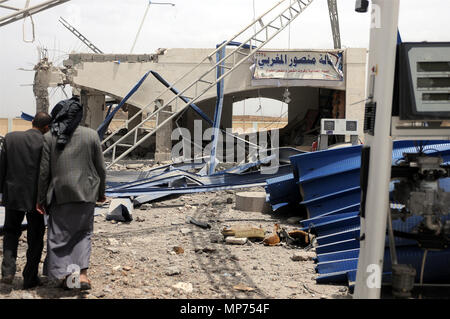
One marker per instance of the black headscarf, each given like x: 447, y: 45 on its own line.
x: 67, y: 115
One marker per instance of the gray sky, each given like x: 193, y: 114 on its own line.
x: 112, y: 26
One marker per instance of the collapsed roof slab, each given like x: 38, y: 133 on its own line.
x: 115, y: 74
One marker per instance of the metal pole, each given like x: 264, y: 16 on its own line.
x: 382, y: 54
x: 393, y: 250
x: 218, y: 112
x: 143, y: 20
x: 140, y: 27
x: 29, y: 11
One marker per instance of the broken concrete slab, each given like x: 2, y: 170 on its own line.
x: 252, y: 202
x: 235, y: 241
x: 120, y: 210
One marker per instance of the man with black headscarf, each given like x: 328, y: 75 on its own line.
x: 72, y: 179
x: 19, y: 172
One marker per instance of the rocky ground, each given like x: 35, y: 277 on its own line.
x: 139, y: 259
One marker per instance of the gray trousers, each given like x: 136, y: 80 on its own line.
x: 69, y: 233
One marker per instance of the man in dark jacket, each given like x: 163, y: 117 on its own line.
x: 19, y: 172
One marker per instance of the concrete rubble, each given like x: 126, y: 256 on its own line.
x: 158, y: 257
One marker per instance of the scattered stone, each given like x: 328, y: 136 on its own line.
x: 185, y: 231
x: 135, y: 166
x: 292, y: 285
x: 178, y: 250
x: 113, y: 250
x: 126, y: 268
x: 140, y: 219
x: 303, y: 256
x: 117, y: 268
x: 186, y: 287
x: 167, y: 291
x: 229, y: 200
x: 216, y: 238
x: 113, y: 241
x: 121, y: 210
x: 209, y: 250
x: 241, y: 287
x: 235, y: 241
x: 173, y: 271
x: 27, y: 295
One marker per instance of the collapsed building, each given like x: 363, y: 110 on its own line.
x: 105, y: 79
x: 173, y: 88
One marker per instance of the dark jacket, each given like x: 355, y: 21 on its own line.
x: 19, y: 169
x: 74, y: 174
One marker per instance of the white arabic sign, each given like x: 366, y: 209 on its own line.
x: 301, y: 65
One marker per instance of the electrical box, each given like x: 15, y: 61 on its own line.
x: 421, y: 102
x: 339, y: 127
x: 422, y: 86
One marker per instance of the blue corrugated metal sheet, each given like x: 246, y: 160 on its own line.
x: 282, y: 191
x: 329, y: 185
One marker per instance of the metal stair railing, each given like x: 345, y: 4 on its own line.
x: 78, y: 34
x: 269, y: 30
x: 209, y: 57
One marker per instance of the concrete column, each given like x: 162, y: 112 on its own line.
x: 132, y: 110
x: 163, y: 135
x: 356, y: 87
x: 41, y: 84
x: 93, y: 107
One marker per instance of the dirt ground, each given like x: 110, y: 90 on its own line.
x: 137, y: 259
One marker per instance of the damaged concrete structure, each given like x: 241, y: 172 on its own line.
x: 100, y: 75
x: 46, y: 76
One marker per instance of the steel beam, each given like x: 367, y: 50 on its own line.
x: 29, y: 11
x: 334, y: 20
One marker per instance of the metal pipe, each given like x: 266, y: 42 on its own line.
x: 392, y: 248
x: 30, y: 11
x: 425, y: 253
x: 382, y: 56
